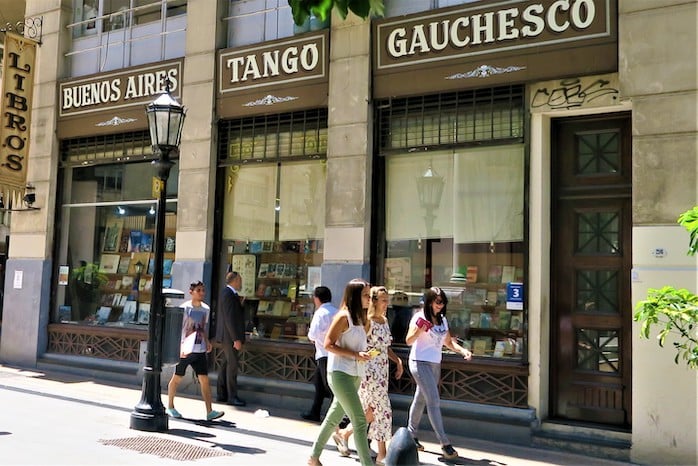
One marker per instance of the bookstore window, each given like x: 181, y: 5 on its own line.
x: 105, y: 261
x: 466, y: 231
x: 274, y: 217
x: 91, y: 16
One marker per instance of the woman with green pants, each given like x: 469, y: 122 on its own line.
x: 346, y: 343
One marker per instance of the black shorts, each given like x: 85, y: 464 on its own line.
x: 197, y: 361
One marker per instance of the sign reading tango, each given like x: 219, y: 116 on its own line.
x: 286, y: 61
x: 122, y: 89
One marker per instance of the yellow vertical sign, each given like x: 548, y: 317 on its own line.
x: 158, y: 185
x: 16, y: 105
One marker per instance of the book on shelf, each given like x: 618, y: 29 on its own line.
x: 471, y: 274
x: 123, y: 265
x: 142, y: 258
x: 494, y: 274
x: 474, y: 320
x: 263, y: 307
x: 519, y: 275
x: 126, y: 282
x: 276, y: 331
x: 508, y: 273
x: 148, y: 284
x: 255, y: 247
x: 167, y: 267
x: 151, y: 266
x: 481, y: 345
x: 128, y: 314
x: 112, y: 235
x: 499, y: 348
x: 146, y: 242
x: 170, y: 242
x: 503, y: 320
x: 263, y: 270
x: 102, y: 315
x: 515, y: 323
x: 143, y: 313
x: 65, y: 313
x: 492, y: 297
x: 109, y: 263
x: 141, y: 284
x: 134, y: 240
x: 123, y: 242
x: 485, y: 320
x: 277, y: 308
x: 116, y: 300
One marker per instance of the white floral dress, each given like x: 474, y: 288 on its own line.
x: 373, y: 390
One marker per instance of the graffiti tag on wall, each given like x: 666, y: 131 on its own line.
x: 572, y: 93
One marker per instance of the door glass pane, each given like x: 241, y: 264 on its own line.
x: 598, y: 233
x: 597, y: 350
x: 597, y: 291
x: 598, y: 153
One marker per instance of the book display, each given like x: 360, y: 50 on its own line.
x: 126, y: 263
x: 278, y: 280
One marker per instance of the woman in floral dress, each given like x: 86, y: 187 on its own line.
x: 373, y: 390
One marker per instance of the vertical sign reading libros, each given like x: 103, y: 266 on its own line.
x: 17, y: 86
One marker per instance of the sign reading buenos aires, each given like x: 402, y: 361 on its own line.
x: 125, y: 88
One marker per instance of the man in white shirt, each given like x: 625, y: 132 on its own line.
x: 319, y: 325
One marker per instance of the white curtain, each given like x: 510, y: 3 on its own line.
x: 490, y: 194
x: 302, y: 201
x: 404, y: 216
x: 248, y: 207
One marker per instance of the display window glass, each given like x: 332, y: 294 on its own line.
x: 466, y: 230
x: 105, y: 258
x: 273, y: 174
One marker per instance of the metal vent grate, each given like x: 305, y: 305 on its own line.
x: 270, y: 138
x: 165, y: 448
x: 453, y: 118
x: 109, y: 148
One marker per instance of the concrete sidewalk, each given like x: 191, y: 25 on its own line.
x: 54, y: 418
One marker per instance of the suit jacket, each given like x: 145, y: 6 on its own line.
x: 231, y: 318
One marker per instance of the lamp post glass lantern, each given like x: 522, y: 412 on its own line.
x: 430, y: 187
x: 165, y: 121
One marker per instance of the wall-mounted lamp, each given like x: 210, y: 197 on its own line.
x: 151, y: 211
x: 120, y: 210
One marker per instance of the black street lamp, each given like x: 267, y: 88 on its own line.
x: 165, y: 121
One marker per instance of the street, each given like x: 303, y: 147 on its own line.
x: 55, y: 419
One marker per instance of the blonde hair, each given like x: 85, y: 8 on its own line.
x: 376, y: 291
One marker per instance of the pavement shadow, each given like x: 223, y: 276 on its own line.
x: 470, y: 462
x: 205, y: 436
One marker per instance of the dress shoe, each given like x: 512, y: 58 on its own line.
x: 310, y: 417
x: 237, y: 402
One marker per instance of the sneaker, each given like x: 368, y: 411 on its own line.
x: 214, y: 415
x: 341, y: 444
x: 173, y: 413
x: 420, y: 447
x: 449, y: 452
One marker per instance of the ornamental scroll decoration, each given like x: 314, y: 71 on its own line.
x: 31, y: 28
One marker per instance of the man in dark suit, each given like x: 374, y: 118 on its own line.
x: 230, y: 332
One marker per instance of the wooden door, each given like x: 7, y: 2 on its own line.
x: 591, y: 262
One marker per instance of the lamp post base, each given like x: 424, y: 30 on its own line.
x: 148, y: 420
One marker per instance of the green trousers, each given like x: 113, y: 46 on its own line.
x: 346, y: 400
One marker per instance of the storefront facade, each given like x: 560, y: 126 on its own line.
x: 502, y: 151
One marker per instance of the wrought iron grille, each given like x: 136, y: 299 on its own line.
x: 453, y: 118
x: 109, y: 148
x: 270, y: 138
x: 505, y: 385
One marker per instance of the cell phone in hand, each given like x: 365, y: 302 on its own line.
x: 424, y: 324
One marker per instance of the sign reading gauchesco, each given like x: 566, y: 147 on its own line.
x: 524, y: 39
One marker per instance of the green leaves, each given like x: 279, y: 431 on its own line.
x: 689, y: 220
x: 674, y: 312
x: 302, y: 9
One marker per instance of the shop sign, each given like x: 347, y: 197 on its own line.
x: 17, y: 86
x: 115, y: 101
x: 507, y: 41
x: 281, y: 75
x: 118, y: 90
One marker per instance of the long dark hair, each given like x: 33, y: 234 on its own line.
x: 352, y: 300
x: 429, y: 297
